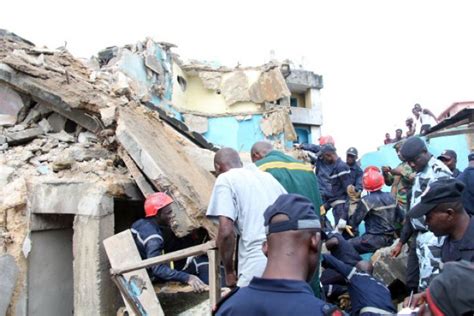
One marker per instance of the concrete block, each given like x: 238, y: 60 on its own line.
x: 94, y: 291
x: 57, y: 122
x: 21, y: 137
x: 107, y: 115
x: 211, y: 79
x: 196, y: 123
x: 69, y: 197
x: 6, y: 174
x: 389, y: 269
x: 8, y: 276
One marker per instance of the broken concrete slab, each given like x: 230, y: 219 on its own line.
x: 8, y: 274
x: 277, y: 122
x: 44, y: 124
x: 7, y: 120
x: 235, y: 88
x: 108, y: 115
x: 62, y: 136
x: 211, y: 79
x: 196, y: 123
x: 157, y: 153
x: 85, y: 154
x: 269, y: 87
x: 21, y: 137
x: 387, y: 268
x: 35, y: 114
x: 86, y: 137
x: 6, y: 174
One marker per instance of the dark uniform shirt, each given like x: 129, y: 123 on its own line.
x: 149, y: 240
x: 456, y: 173
x: 323, y: 173
x: 463, y: 249
x: 364, y: 289
x: 380, y: 211
x: 356, y: 176
x: 467, y: 177
x: 274, y: 297
x: 340, y: 179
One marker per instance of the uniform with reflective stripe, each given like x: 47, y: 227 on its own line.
x: 149, y: 240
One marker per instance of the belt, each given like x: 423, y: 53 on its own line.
x: 337, y: 202
x: 375, y: 310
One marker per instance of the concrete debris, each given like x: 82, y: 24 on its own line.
x: 57, y: 122
x: 270, y: 86
x: 108, y: 115
x: 211, y: 79
x: 64, y: 137
x: 389, y: 269
x: 85, y: 154
x: 45, y: 126
x: 87, y: 137
x: 36, y: 114
x: 6, y: 174
x: 8, y: 274
x: 278, y: 122
x: 234, y: 88
x: 21, y: 137
x: 62, y: 163
x: 196, y: 123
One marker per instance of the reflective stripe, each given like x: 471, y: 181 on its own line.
x: 351, y: 274
x: 365, y: 204
x: 330, y: 288
x: 340, y: 174
x: 285, y: 165
x: 385, y: 207
x: 143, y: 242
x: 337, y: 202
x: 375, y: 310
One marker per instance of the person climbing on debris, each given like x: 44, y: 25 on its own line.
x: 293, y: 248
x: 380, y: 212
x: 401, y: 179
x: 398, y: 135
x: 410, y: 124
x: 425, y: 117
x: 150, y: 242
x: 424, y: 258
x: 369, y: 296
x: 238, y: 201
x: 355, y: 189
x: 339, y: 180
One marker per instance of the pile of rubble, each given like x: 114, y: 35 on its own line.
x: 72, y: 141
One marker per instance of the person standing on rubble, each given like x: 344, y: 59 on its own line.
x: 293, y: 248
x: 293, y: 175
x: 339, y: 180
x: 400, y: 179
x: 150, y: 243
x: 425, y: 117
x: 423, y: 259
x: 239, y: 199
x: 380, y: 212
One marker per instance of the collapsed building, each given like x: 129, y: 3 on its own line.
x: 84, y: 141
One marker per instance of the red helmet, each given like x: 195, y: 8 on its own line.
x: 156, y: 201
x: 372, y: 179
x: 374, y: 168
x: 326, y: 140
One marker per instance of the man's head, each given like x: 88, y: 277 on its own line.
x: 387, y: 136
x: 415, y: 152
x: 328, y: 152
x: 351, y: 156
x: 409, y: 122
x: 416, y: 112
x: 471, y: 159
x: 449, y: 158
x: 441, y: 203
x: 365, y: 266
x: 397, y: 148
x: 417, y: 107
x: 260, y: 150
x: 450, y: 293
x: 293, y: 235
x: 398, y: 133
x: 158, y: 205
x: 226, y: 159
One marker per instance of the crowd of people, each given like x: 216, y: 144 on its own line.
x: 273, y: 218
x: 419, y: 124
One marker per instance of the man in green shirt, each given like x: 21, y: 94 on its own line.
x: 294, y: 175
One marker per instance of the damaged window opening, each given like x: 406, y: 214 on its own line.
x: 182, y: 83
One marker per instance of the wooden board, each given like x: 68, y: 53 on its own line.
x: 121, y: 250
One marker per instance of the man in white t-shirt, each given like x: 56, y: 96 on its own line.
x: 425, y: 118
x: 239, y: 198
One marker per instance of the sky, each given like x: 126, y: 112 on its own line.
x: 377, y: 58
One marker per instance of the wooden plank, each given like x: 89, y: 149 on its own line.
x: 176, y: 255
x: 142, y: 183
x: 214, y: 277
x: 121, y: 250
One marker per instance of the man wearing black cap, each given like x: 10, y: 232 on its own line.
x: 442, y: 205
x: 293, y: 247
x: 428, y: 246
x: 339, y: 180
x: 450, y: 293
x: 450, y: 158
x: 467, y: 177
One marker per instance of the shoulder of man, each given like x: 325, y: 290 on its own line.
x: 224, y: 299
